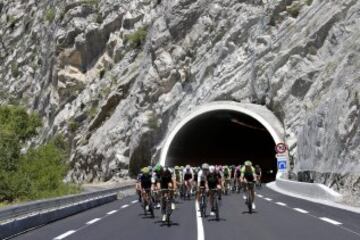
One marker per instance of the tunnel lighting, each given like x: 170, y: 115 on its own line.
x: 236, y: 121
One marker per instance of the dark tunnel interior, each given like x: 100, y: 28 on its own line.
x: 227, y: 138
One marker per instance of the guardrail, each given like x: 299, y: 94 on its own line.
x: 19, y: 218
x: 21, y: 210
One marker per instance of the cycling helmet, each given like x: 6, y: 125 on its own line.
x: 187, y: 167
x: 145, y: 170
x: 211, y: 169
x: 157, y: 167
x: 205, y: 166
x: 248, y: 163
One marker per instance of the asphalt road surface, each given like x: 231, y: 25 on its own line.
x: 276, y: 217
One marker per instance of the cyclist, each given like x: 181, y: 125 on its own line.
x: 195, y: 178
x: 226, y: 179
x: 188, y: 176
x: 258, y: 173
x: 232, y: 177
x: 145, y: 182
x: 247, y: 176
x: 213, y: 182
x: 202, y: 178
x: 237, y: 178
x: 178, y: 176
x: 166, y: 181
x: 138, y: 186
x: 155, y: 180
x: 220, y: 175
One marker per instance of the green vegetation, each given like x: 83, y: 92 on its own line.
x: 91, y: 2
x: 153, y: 120
x: 73, y: 125
x: 15, y: 70
x: 136, y: 39
x: 294, y: 9
x: 36, y: 174
x: 308, y: 2
x: 50, y: 15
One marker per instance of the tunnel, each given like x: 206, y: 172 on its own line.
x: 224, y: 136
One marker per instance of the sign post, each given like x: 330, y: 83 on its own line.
x: 282, y: 157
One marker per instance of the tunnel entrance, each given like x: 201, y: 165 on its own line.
x: 227, y: 138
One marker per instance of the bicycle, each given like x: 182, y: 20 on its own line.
x: 227, y: 186
x: 168, y: 200
x: 249, y: 199
x: 215, y: 205
x: 202, y: 201
x: 148, y: 204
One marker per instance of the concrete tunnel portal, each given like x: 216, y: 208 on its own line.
x: 226, y: 133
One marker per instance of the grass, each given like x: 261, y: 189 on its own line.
x: 73, y: 125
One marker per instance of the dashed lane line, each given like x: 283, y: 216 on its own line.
x: 268, y: 199
x: 300, y: 210
x: 125, y: 206
x: 259, y: 195
x: 112, y: 212
x: 330, y: 221
x: 281, y: 203
x: 93, y: 221
x: 64, y: 235
x: 135, y: 201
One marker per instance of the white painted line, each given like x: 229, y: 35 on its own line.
x: 281, y: 203
x: 112, y: 212
x: 199, y: 223
x: 259, y: 195
x: 125, y: 206
x: 268, y: 199
x: 135, y: 201
x: 330, y: 221
x: 93, y: 221
x: 301, y: 210
x: 64, y: 235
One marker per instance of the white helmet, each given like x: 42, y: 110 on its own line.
x: 211, y: 169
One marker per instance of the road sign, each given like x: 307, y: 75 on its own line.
x: 281, y: 165
x: 281, y: 148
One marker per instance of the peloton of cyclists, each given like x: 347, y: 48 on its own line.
x: 158, y: 181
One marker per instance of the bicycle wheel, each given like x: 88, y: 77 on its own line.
x: 216, y: 206
x: 249, y: 203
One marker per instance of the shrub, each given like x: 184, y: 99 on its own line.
x: 294, y: 9
x: 136, y: 39
x: 50, y: 15
x: 73, y: 125
x: 15, y: 70
x: 308, y: 2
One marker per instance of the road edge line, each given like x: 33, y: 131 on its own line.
x: 199, y: 223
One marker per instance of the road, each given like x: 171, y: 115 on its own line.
x: 276, y: 217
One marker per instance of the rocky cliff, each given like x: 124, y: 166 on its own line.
x: 114, y: 75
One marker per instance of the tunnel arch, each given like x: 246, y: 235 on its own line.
x: 260, y: 113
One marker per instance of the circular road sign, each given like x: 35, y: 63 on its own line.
x: 281, y: 148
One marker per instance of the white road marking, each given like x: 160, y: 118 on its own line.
x: 281, y: 203
x: 112, y: 212
x: 301, y: 210
x: 64, y: 235
x: 199, y: 223
x: 125, y: 206
x: 135, y: 201
x: 330, y: 221
x: 93, y: 221
x: 268, y: 199
x: 259, y: 195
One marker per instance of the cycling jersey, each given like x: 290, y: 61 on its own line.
x: 146, y: 181
x: 248, y: 173
x: 188, y: 174
x: 226, y: 173
x: 165, y: 179
x: 213, y: 180
x: 258, y: 171
x: 201, y: 179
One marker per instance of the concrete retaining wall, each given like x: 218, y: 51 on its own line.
x: 309, y: 190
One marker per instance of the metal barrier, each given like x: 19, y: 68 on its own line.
x: 20, y: 211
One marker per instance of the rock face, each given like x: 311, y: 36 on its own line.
x: 114, y: 76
